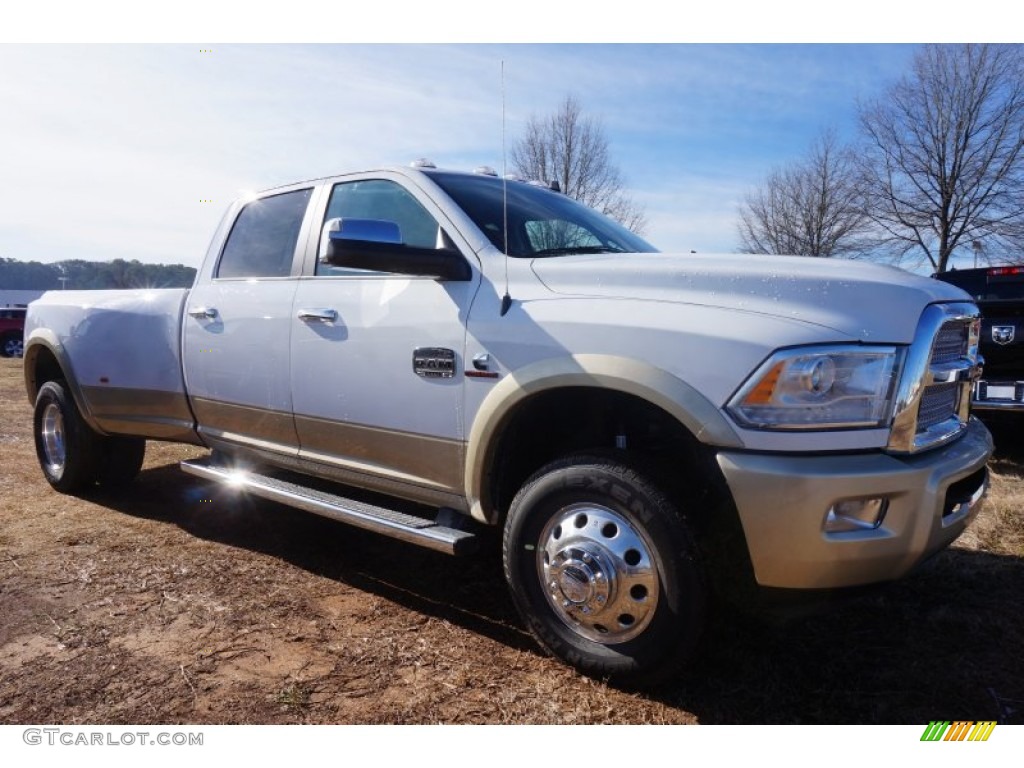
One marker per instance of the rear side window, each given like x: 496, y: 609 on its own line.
x: 262, y: 241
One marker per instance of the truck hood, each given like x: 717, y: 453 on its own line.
x: 865, y: 301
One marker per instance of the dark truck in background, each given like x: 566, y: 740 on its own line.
x: 999, y: 293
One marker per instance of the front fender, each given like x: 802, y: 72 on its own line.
x: 610, y: 372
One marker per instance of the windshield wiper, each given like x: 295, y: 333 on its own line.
x: 576, y: 249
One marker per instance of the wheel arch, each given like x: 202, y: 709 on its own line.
x: 625, y: 381
x: 45, y: 360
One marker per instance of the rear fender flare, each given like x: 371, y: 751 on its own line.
x: 36, y: 342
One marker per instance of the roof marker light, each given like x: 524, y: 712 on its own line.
x: 553, y: 184
x: 422, y: 163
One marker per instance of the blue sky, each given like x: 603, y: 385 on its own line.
x: 111, y: 151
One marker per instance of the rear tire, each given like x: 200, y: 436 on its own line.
x: 66, y: 447
x: 604, y: 571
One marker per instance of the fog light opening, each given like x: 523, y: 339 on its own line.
x: 856, y: 515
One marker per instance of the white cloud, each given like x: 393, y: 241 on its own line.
x: 111, y: 149
x: 693, y: 213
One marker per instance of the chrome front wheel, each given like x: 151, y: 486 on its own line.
x: 603, y: 569
x: 600, y: 573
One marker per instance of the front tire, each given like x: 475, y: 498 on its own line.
x: 65, y: 445
x: 604, y: 571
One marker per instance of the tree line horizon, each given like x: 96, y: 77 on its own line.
x: 78, y: 274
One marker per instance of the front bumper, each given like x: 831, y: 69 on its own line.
x: 783, y: 501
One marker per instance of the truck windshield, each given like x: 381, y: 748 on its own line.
x: 540, y: 222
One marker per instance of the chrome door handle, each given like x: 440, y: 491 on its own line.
x: 321, y: 314
x: 203, y: 313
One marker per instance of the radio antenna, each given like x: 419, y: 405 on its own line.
x: 506, y: 300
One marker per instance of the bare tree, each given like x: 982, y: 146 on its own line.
x: 944, y: 151
x: 570, y: 148
x: 809, y: 208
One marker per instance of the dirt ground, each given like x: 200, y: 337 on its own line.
x: 179, y: 603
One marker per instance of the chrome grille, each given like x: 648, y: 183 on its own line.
x: 938, y: 403
x: 941, y: 365
x: 951, y: 343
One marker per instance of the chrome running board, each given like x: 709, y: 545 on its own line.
x: 389, y: 522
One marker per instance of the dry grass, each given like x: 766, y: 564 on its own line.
x: 157, y: 606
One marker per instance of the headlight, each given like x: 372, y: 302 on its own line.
x: 819, y: 388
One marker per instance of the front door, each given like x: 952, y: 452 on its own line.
x: 377, y: 368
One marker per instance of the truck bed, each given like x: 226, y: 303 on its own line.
x: 121, y: 350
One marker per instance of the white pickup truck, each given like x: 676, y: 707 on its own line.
x: 426, y: 353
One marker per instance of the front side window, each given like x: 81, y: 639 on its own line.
x: 381, y: 200
x: 262, y: 241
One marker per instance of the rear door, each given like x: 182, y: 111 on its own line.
x: 237, y: 326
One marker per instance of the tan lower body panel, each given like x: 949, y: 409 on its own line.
x: 406, y: 456
x: 245, y: 423
x: 417, y: 467
x: 148, y: 413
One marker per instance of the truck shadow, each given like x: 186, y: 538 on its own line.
x: 467, y: 591
x: 941, y: 644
